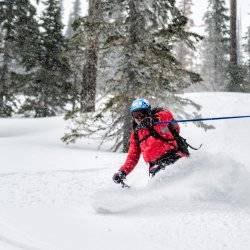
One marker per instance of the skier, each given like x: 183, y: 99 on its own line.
x: 159, y: 144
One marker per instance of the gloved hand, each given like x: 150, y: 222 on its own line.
x: 119, y: 176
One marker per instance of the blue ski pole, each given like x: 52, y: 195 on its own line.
x: 203, y: 119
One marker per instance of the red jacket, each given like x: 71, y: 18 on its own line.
x: 151, y: 148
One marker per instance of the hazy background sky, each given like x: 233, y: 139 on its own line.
x: 199, y: 9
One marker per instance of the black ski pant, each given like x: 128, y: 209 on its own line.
x: 167, y: 159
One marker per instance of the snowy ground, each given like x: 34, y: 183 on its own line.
x: 55, y: 196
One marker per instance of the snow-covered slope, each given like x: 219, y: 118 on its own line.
x: 55, y: 196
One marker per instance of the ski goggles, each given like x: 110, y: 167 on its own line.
x: 140, y: 114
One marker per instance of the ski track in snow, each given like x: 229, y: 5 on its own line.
x: 15, y: 244
x: 204, y: 182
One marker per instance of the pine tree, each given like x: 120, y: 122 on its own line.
x: 19, y: 53
x: 137, y: 59
x: 76, y: 56
x: 233, y: 32
x: 246, y: 47
x: 216, y: 46
x: 235, y: 70
x: 239, y: 40
x: 49, y: 90
x: 184, y: 54
x: 28, y: 37
x: 248, y: 52
x: 149, y: 67
x: 83, y: 54
x: 88, y: 93
x: 7, y: 97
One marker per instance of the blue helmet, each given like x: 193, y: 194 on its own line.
x: 140, y: 104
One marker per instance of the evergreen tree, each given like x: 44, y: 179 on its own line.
x: 235, y: 70
x: 28, y: 35
x: 7, y: 96
x: 184, y: 54
x: 137, y: 59
x: 19, y: 50
x: 246, y: 47
x: 90, y: 26
x: 239, y: 40
x: 76, y: 56
x: 248, y: 53
x: 93, y: 30
x: 83, y: 54
x: 233, y: 33
x: 49, y: 90
x: 216, y: 46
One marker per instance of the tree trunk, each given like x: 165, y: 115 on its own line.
x: 248, y: 54
x: 6, y: 111
x: 2, y: 91
x: 233, y: 32
x: 88, y: 92
x: 131, y: 81
x: 233, y: 67
x: 126, y: 126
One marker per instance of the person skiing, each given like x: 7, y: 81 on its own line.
x: 158, y: 142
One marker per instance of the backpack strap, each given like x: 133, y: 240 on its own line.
x: 155, y: 134
x: 152, y: 132
x: 182, y: 144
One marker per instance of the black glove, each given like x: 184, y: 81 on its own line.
x: 119, y: 177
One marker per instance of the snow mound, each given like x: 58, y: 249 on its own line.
x: 204, y: 180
